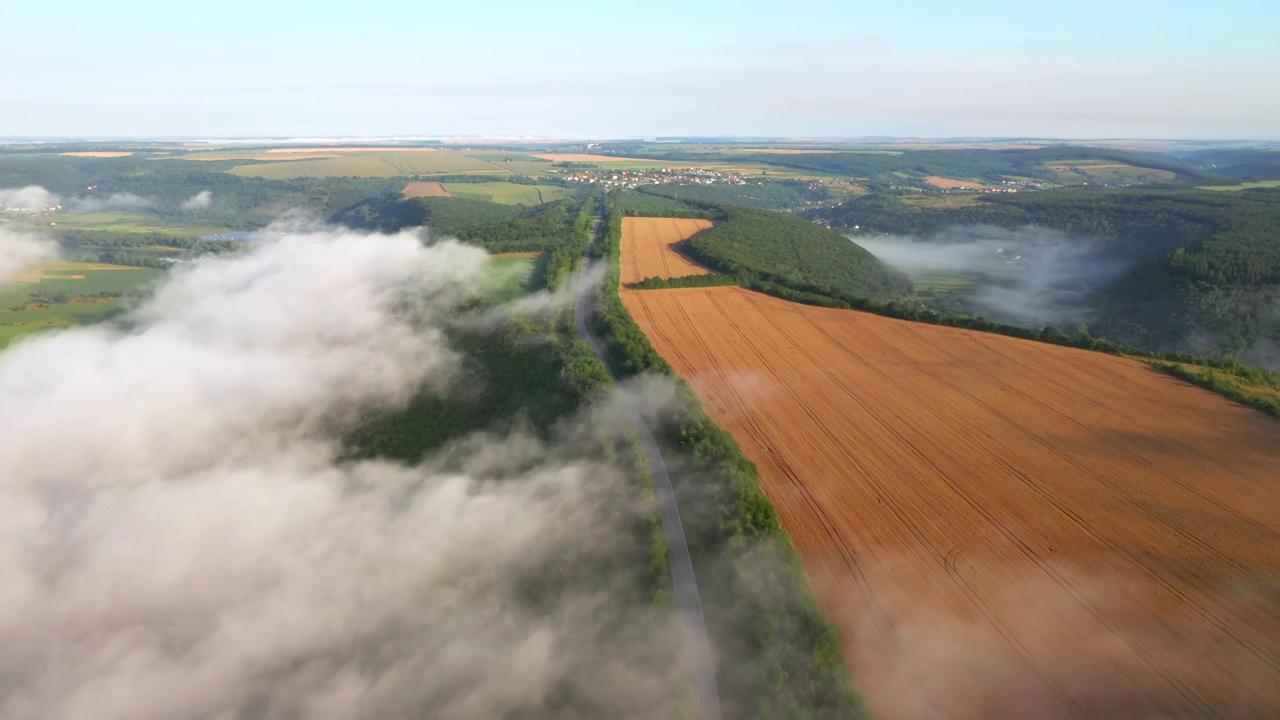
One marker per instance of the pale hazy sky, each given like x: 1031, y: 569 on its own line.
x: 1132, y: 68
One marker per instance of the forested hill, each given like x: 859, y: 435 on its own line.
x: 494, y: 227
x: 781, y: 248
x: 1204, y: 266
x: 1223, y: 238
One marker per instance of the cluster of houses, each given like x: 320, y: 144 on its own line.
x: 655, y: 176
x: 28, y: 210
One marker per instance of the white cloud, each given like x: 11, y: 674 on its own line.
x: 181, y: 536
x: 31, y: 197
x: 200, y: 201
x: 18, y: 251
x: 118, y: 201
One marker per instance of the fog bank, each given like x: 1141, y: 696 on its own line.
x: 19, y: 251
x: 180, y: 536
x: 1031, y: 276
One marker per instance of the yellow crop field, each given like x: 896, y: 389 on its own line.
x: 1001, y: 528
x: 648, y: 247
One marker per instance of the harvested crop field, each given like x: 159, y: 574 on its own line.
x: 585, y: 157
x: 372, y: 148
x: 425, y: 189
x: 391, y: 163
x: 1001, y: 528
x: 647, y: 247
x: 952, y: 184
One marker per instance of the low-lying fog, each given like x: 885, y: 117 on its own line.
x: 1030, y: 276
x: 181, y: 536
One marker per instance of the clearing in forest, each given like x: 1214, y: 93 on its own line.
x: 425, y: 189
x: 648, y: 247
x: 1001, y: 528
x: 98, y: 153
x: 953, y: 184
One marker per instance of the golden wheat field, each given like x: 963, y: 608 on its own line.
x: 648, y: 247
x: 1001, y: 528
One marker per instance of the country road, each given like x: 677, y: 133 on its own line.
x: 697, y: 647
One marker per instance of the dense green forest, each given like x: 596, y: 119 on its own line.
x: 494, y: 227
x: 634, y: 202
x: 393, y: 212
x: 776, y: 247
x: 149, y: 249
x: 1204, y: 267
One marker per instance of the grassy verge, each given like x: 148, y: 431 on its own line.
x: 1263, y: 395
x: 779, y: 655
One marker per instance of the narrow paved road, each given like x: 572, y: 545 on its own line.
x: 697, y: 647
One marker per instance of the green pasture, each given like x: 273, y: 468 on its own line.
x: 373, y: 164
x: 83, y: 308
x: 508, y: 193
x: 510, y: 278
x: 941, y: 284
x: 129, y: 223
x: 1243, y: 186
x: 1123, y: 174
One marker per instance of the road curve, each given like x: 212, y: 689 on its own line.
x: 697, y: 646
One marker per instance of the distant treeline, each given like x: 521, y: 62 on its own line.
x: 392, y: 212
x: 991, y: 165
x: 137, y: 249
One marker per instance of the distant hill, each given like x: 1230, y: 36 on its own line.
x: 1204, y: 267
x: 891, y: 166
x: 1240, y: 164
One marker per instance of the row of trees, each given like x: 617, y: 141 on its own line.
x: 778, y: 648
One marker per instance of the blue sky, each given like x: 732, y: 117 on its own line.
x: 1124, y: 68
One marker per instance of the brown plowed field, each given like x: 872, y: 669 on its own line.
x: 952, y: 184
x: 647, y: 248
x: 425, y: 189
x: 1001, y: 528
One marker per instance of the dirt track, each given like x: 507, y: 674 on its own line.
x: 647, y: 251
x: 1002, y: 529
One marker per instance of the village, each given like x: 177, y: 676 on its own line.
x: 657, y: 176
